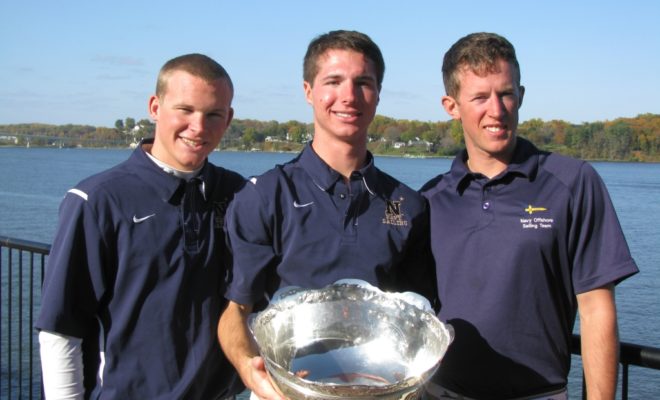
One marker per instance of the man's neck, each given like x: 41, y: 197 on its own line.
x: 489, y: 165
x: 341, y: 156
x: 185, y: 175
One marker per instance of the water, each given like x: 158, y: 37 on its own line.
x: 33, y: 182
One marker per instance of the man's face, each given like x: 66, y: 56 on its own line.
x: 344, y: 95
x: 191, y: 118
x: 487, y: 107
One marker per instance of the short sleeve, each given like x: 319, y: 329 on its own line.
x: 73, y: 281
x: 250, y: 238
x: 601, y: 255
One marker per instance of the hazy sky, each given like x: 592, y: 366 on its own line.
x: 93, y: 62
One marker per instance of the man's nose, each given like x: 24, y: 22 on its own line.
x: 496, y: 106
x: 349, y: 91
x: 197, y: 122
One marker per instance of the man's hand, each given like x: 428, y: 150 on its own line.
x: 241, y: 350
x: 263, y: 388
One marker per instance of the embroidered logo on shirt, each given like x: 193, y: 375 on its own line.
x: 298, y: 205
x: 531, y: 210
x: 536, y: 222
x: 393, y: 213
x: 141, y: 219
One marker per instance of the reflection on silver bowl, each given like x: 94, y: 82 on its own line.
x: 350, y: 340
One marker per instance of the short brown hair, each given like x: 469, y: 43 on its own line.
x: 198, y: 65
x: 479, y: 52
x: 342, y: 40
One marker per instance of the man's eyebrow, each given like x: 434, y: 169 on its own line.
x: 183, y: 104
x: 333, y: 76
x: 363, y: 77
x: 366, y: 77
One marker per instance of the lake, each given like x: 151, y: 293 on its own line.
x: 33, y: 182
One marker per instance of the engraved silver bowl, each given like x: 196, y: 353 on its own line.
x: 350, y: 340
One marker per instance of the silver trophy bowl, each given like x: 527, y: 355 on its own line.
x: 350, y: 340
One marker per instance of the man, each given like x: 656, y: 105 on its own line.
x: 136, y: 271
x: 327, y: 214
x: 521, y: 239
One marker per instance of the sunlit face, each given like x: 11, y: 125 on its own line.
x: 344, y: 95
x: 487, y: 107
x: 191, y: 118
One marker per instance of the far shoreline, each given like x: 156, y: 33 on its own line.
x: 236, y: 150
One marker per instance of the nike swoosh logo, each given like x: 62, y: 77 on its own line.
x: 298, y: 205
x: 138, y: 220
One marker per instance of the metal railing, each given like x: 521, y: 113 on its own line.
x: 630, y: 354
x: 21, y: 274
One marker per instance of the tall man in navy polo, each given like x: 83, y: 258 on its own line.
x: 329, y: 213
x: 522, y: 240
x: 135, y: 277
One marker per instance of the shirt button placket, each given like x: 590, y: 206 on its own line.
x: 485, y: 204
x: 191, y: 224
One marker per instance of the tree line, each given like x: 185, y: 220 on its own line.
x: 622, y: 139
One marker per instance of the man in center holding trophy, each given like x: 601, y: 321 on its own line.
x: 329, y: 213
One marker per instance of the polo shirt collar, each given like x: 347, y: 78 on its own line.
x: 166, y: 185
x: 324, y: 177
x: 370, y: 174
x: 524, y: 162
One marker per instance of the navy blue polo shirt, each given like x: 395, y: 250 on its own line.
x: 139, y: 255
x: 512, y: 252
x: 300, y: 224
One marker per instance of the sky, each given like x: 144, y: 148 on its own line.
x: 93, y: 62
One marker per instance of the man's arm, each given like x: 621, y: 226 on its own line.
x: 62, y: 366
x: 236, y: 341
x: 600, y: 341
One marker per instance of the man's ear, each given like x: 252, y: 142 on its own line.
x: 451, y: 107
x: 154, y: 106
x: 307, y: 87
x: 230, y: 116
x: 522, y: 94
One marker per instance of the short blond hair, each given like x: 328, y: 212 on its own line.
x: 198, y: 65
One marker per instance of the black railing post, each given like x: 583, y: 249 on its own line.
x: 1, y: 286
x: 624, y: 382
x: 9, y: 315
x: 20, y: 324
x: 31, y: 321
x: 1, y: 331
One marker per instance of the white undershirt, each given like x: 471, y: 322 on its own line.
x: 185, y: 175
x: 61, y: 365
